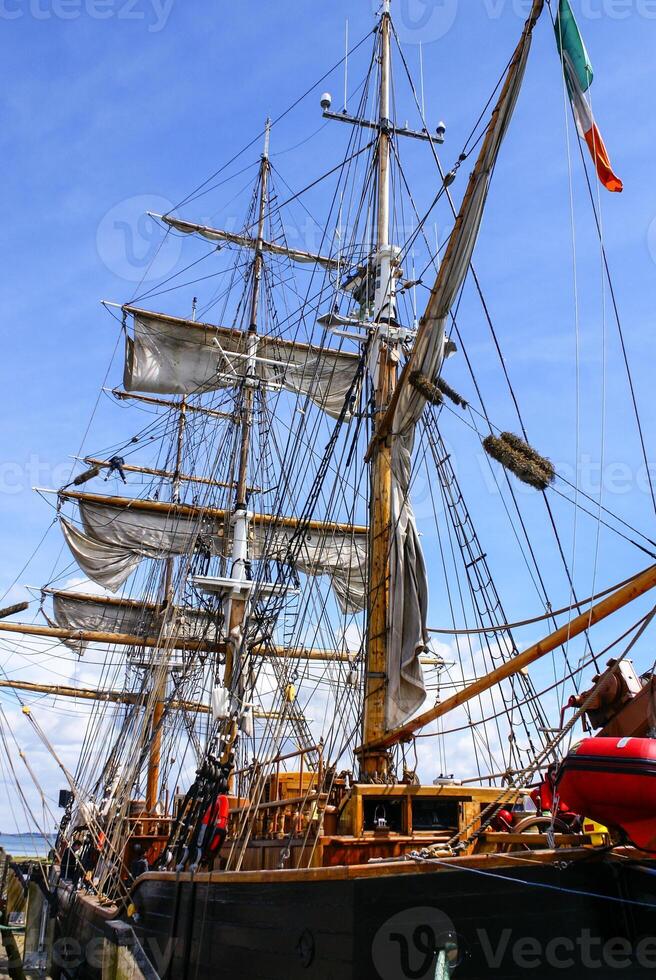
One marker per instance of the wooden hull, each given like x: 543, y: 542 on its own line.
x: 571, y: 912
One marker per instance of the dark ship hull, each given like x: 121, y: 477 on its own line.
x: 576, y: 916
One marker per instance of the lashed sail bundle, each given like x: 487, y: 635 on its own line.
x: 168, y: 355
x: 127, y: 617
x: 246, y: 241
x: 128, y: 531
x: 409, y: 585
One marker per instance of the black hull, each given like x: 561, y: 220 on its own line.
x: 528, y: 920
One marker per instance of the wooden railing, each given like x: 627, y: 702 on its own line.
x: 274, y: 814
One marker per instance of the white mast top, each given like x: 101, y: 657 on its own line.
x: 267, y: 138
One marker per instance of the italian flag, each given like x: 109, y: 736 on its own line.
x: 578, y: 76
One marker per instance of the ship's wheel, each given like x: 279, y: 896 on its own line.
x: 537, y: 825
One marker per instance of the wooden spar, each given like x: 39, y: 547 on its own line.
x: 381, y: 469
x: 88, y: 694
x: 230, y: 333
x: 165, y: 474
x: 245, y: 241
x: 384, y: 426
x: 636, y: 587
x: 189, y: 510
x: 114, y: 697
x: 165, y: 403
x: 119, y: 639
x: 173, y: 643
x: 107, y: 600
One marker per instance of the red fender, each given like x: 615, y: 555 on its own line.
x: 215, y: 820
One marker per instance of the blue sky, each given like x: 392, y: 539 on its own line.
x: 111, y: 107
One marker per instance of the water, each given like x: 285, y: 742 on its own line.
x: 24, y: 845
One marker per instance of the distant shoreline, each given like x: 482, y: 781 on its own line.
x: 22, y: 836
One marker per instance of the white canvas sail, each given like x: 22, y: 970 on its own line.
x: 107, y: 565
x: 118, y: 529
x: 169, y: 356
x: 131, y: 617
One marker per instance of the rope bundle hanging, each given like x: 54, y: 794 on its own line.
x: 425, y: 387
x: 435, y: 392
x: 451, y: 393
x: 86, y: 476
x: 521, y: 459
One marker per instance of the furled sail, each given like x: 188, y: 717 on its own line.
x: 133, y: 617
x: 245, y: 241
x: 341, y: 556
x: 409, y: 587
x: 169, y: 356
x: 126, y: 531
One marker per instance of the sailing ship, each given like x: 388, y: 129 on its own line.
x: 261, y: 595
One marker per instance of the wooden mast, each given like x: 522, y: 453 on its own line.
x: 381, y: 473
x: 241, y: 518
x: 160, y: 674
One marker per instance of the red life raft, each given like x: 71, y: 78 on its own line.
x: 613, y: 781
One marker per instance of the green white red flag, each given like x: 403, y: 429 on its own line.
x: 578, y: 76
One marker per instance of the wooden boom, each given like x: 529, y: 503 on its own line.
x: 114, y: 697
x: 165, y: 474
x: 194, y: 511
x: 172, y: 642
x: 636, y: 587
x: 167, y: 403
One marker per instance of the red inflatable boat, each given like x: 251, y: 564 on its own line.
x: 613, y: 781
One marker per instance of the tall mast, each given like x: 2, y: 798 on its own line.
x: 240, y: 518
x: 381, y: 473
x: 161, y: 677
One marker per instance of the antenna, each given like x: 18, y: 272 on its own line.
x: 415, y: 322
x: 421, y: 79
x: 346, y: 45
